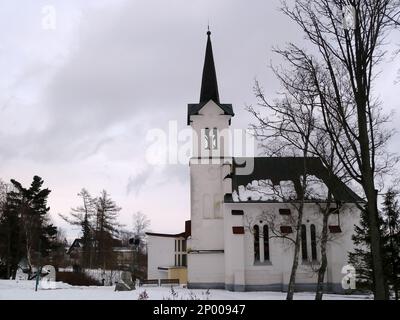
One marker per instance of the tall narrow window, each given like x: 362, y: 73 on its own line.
x: 211, y: 138
x: 207, y: 140
x: 313, y: 242
x: 256, y: 243
x: 214, y: 139
x: 304, y: 242
x: 266, y: 242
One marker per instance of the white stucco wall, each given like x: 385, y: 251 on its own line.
x: 206, y: 270
x: 161, y: 253
x: 240, y: 269
x: 207, y: 194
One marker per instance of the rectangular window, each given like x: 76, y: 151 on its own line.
x: 238, y: 230
x: 179, y: 245
x: 237, y: 212
x: 286, y: 229
x: 184, y: 245
x: 179, y: 260
x: 284, y: 212
x: 184, y: 260
x: 335, y: 229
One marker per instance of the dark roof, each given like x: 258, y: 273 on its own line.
x: 279, y: 169
x: 76, y: 244
x: 209, y: 85
x: 194, y: 108
x: 187, y: 233
x: 166, y: 235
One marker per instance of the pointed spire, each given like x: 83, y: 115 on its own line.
x: 209, y: 85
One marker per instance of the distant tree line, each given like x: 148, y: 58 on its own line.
x: 100, y: 231
x: 29, y: 239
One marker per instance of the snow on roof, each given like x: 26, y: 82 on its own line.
x: 266, y: 190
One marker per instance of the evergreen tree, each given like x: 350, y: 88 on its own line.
x: 391, y: 212
x: 106, y: 228
x: 26, y: 229
x: 361, y: 258
x: 11, y: 235
x: 83, y: 216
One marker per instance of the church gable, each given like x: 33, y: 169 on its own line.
x: 195, y: 109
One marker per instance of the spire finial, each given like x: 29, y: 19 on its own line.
x: 208, y: 28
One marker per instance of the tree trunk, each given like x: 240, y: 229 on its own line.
x: 292, y: 281
x: 324, y: 259
x: 392, y: 256
x: 368, y: 181
x: 381, y: 290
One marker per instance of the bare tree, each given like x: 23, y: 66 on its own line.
x: 141, y: 224
x: 287, y: 130
x: 349, y: 55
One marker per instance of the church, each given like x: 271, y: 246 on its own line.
x: 243, y: 212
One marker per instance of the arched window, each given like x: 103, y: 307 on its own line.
x: 313, y: 242
x: 304, y: 242
x: 256, y: 232
x: 214, y: 139
x: 266, y: 243
x: 211, y: 138
x: 207, y: 142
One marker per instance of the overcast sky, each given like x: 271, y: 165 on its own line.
x: 77, y: 100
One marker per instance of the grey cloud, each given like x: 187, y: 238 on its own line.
x: 137, y: 182
x: 170, y: 174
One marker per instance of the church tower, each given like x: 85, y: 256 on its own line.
x: 210, y: 121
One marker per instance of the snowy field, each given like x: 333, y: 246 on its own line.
x: 24, y: 290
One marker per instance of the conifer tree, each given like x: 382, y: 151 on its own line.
x: 361, y: 259
x: 83, y: 216
x: 106, y: 228
x: 391, y: 212
x: 27, y: 230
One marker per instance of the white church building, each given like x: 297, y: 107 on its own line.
x: 241, y: 229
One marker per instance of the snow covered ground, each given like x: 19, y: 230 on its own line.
x: 24, y: 290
